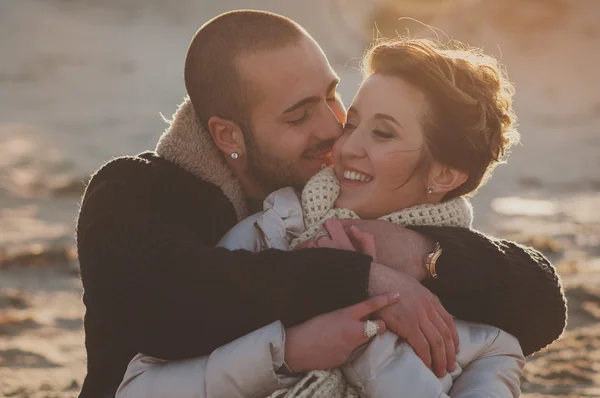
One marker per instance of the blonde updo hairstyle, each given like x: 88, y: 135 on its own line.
x: 470, y: 124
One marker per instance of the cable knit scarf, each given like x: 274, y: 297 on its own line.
x: 321, y: 192
x: 318, y: 200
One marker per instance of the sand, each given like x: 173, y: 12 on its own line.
x: 81, y: 82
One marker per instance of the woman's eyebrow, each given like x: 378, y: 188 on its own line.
x: 383, y: 116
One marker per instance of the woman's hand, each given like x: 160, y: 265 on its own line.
x: 326, y: 341
x: 353, y: 239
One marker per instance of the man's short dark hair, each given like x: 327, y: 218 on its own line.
x: 212, y: 79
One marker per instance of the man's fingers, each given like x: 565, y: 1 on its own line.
x: 437, y: 347
x: 374, y: 304
x: 449, y: 321
x: 338, y: 234
x: 439, y: 323
x: 419, y: 344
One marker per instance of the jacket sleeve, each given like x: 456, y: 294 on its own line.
x: 244, y: 368
x: 161, y: 286
x: 500, y: 283
x: 495, y: 373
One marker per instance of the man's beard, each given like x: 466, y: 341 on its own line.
x: 273, y: 173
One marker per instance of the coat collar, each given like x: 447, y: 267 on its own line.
x: 187, y: 144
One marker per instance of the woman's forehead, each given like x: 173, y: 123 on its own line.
x: 389, y: 95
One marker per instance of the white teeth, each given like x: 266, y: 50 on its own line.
x: 353, y: 175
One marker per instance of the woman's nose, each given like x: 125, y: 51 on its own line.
x: 353, y: 144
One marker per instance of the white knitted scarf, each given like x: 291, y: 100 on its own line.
x: 318, y: 200
x: 321, y: 192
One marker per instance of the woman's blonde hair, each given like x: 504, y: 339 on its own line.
x: 470, y: 123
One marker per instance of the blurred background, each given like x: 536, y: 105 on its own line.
x: 82, y: 81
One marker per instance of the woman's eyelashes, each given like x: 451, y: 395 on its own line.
x: 383, y: 135
x: 377, y: 133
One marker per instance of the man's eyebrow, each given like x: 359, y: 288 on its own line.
x: 333, y: 85
x: 308, y: 100
x: 312, y: 99
x: 383, y: 116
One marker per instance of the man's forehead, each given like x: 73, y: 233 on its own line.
x: 288, y: 73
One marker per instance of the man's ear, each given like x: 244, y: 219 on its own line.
x: 228, y: 136
x: 445, y: 179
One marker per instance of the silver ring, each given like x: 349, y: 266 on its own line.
x: 370, y: 329
x: 321, y: 234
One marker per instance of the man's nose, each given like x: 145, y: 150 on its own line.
x: 330, y: 127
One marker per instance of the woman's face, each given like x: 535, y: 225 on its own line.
x: 378, y: 159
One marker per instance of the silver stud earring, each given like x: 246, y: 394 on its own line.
x: 430, y: 189
x: 234, y: 155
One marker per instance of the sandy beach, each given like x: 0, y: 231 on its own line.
x: 82, y: 82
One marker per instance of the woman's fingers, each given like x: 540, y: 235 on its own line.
x: 328, y: 243
x: 364, y: 241
x: 374, y: 304
x: 363, y: 337
x: 338, y: 234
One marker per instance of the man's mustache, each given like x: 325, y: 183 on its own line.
x: 322, y: 147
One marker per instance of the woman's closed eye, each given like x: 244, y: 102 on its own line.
x: 383, y: 135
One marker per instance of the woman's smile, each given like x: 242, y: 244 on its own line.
x: 353, y: 177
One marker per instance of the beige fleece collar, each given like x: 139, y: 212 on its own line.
x: 190, y: 146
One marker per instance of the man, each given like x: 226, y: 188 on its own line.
x: 263, y: 114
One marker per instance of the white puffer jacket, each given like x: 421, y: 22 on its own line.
x: 489, y: 361
x: 244, y: 368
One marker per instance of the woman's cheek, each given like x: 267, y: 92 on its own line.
x: 337, y: 153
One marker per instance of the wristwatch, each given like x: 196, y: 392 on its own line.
x: 432, y: 259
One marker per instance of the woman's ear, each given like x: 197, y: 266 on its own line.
x: 445, y: 179
x: 227, y: 135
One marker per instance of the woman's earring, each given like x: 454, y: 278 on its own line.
x: 430, y: 189
x: 234, y: 155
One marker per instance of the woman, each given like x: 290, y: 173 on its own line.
x: 426, y: 128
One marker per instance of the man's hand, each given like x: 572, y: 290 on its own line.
x: 326, y: 341
x: 418, y: 317
x: 397, y: 247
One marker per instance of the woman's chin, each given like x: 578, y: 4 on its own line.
x: 346, y: 202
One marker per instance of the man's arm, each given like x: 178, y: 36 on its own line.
x: 480, y: 278
x: 500, y: 283
x: 170, y: 294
